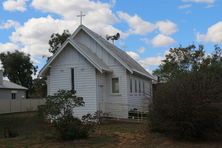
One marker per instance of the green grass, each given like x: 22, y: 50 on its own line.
x: 34, y: 133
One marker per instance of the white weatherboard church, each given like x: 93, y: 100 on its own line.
x: 106, y: 77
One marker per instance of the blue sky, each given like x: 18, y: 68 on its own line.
x: 148, y: 28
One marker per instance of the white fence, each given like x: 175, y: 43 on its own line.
x: 19, y: 105
x: 138, y: 112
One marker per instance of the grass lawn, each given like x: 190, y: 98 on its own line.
x: 34, y: 133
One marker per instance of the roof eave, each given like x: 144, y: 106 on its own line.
x: 15, y: 88
x: 43, y: 70
x: 45, y: 67
x: 146, y: 75
x: 86, y: 56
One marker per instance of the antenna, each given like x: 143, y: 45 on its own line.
x: 113, y: 37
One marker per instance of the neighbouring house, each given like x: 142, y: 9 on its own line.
x: 106, y: 77
x: 10, y: 90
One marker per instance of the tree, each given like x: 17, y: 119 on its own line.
x: 62, y: 103
x: 39, y: 88
x: 56, y: 40
x: 217, y: 55
x: 18, y: 68
x: 189, y: 103
x: 181, y: 60
x: 59, y: 108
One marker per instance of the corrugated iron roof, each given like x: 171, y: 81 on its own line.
x: 136, y: 67
x: 92, y: 56
x: 11, y: 85
x: 119, y: 54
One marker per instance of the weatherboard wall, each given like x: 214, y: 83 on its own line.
x: 84, y: 78
x: 139, y: 100
x: 115, y: 104
x: 7, y: 94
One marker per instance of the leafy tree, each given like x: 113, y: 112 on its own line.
x: 62, y: 103
x: 181, y: 60
x: 56, y: 40
x: 59, y: 108
x: 39, y: 88
x: 189, y: 103
x: 217, y: 55
x: 18, y: 67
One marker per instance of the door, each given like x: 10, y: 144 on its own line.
x: 101, y: 97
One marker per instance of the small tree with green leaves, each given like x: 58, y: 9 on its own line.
x: 56, y: 40
x: 62, y: 103
x: 59, y: 109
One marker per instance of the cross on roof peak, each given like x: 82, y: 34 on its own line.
x: 81, y: 15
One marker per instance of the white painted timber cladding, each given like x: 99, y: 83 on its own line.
x: 101, y: 91
x: 115, y: 104
x: 93, y: 86
x: 138, y: 100
x: 85, y: 78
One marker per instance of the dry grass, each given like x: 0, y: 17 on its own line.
x: 34, y: 133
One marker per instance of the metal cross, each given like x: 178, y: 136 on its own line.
x: 81, y: 15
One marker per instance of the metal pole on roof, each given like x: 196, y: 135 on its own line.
x: 81, y: 15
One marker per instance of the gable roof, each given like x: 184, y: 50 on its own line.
x: 122, y: 57
x: 92, y: 56
x: 128, y: 62
x: 94, y: 36
x: 11, y: 85
x: 84, y: 51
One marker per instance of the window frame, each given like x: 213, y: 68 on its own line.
x: 113, y: 90
x: 135, y: 86
x: 13, y: 96
x: 143, y: 88
x: 72, y: 79
x: 131, y: 85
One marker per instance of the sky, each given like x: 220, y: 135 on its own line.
x: 148, y: 28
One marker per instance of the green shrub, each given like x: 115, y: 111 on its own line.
x: 189, y: 106
x: 59, y: 110
x: 62, y: 103
x: 70, y: 128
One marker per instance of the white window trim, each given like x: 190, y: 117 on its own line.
x: 131, y: 86
x: 113, y: 93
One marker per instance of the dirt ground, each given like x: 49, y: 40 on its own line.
x: 33, y: 133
